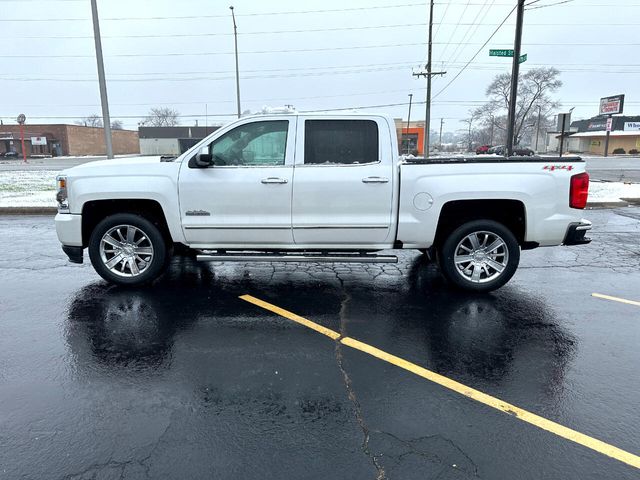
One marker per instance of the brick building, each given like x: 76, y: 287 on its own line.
x: 59, y: 139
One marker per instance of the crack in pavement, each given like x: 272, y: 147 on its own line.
x: 380, y: 472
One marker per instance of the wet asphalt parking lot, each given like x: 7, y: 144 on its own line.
x: 185, y: 379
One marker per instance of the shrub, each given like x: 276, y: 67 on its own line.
x: 619, y: 151
x: 633, y: 151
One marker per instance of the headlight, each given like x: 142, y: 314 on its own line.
x: 61, y: 194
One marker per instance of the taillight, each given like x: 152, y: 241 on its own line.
x: 579, y: 190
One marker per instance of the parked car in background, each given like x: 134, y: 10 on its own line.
x: 483, y: 149
x: 517, y: 151
x: 523, y: 151
x: 10, y: 155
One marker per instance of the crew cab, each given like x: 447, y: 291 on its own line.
x: 318, y: 188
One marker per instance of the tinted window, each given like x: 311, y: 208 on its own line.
x: 257, y: 143
x: 340, y: 141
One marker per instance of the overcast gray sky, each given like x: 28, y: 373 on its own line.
x: 313, y: 54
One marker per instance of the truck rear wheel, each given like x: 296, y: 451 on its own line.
x: 480, y: 256
x: 127, y: 249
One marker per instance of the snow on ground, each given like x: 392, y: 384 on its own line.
x: 28, y: 188
x: 612, y: 191
x: 33, y: 188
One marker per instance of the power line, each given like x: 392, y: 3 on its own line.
x: 476, y: 54
x: 219, y: 34
x: 191, y: 17
x: 475, y: 22
x: 315, y: 30
x: 486, y: 68
x: 455, y: 29
x: 324, y: 49
x: 548, y: 5
x: 406, y: 63
x: 440, y: 24
x: 185, y: 54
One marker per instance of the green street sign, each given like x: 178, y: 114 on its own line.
x: 500, y: 53
x: 523, y: 58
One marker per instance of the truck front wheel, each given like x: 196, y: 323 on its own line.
x: 127, y: 249
x: 481, y: 255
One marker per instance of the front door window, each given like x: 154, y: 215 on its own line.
x: 252, y: 144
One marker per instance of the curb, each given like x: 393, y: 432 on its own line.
x: 28, y: 210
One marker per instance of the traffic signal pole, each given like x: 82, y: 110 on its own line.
x: 513, y: 98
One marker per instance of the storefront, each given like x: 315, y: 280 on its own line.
x: 591, y: 135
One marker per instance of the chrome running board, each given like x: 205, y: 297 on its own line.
x: 296, y: 257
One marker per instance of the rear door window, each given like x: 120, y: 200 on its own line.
x: 340, y: 142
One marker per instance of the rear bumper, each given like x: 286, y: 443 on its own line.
x: 576, y: 233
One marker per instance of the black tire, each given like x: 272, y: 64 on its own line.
x: 154, y: 239
x: 507, y: 254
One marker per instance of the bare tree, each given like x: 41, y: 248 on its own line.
x: 534, y: 95
x: 473, y: 116
x: 90, y: 121
x: 161, y: 117
x: 117, y: 125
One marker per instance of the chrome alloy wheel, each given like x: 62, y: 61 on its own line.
x: 481, y: 257
x: 126, y: 250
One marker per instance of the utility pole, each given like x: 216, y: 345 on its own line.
x: 409, y: 122
x: 538, y: 127
x: 440, y: 141
x: 235, y: 39
x: 106, y: 121
x: 428, y: 74
x: 515, y: 71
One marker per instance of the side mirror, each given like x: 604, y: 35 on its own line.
x: 201, y: 160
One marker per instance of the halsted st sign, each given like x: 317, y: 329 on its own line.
x: 506, y: 53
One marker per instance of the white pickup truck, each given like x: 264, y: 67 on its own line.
x: 318, y: 188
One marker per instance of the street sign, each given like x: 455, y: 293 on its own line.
x: 500, y: 53
x: 609, y: 124
x: 21, y: 118
x: 506, y: 53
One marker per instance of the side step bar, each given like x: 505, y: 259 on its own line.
x: 295, y: 257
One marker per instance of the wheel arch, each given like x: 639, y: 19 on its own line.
x: 95, y: 211
x: 510, y: 213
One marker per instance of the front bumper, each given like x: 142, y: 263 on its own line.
x: 69, y: 229
x: 576, y: 233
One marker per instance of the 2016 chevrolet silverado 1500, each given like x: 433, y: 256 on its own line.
x: 330, y: 188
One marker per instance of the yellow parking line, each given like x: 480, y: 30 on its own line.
x: 291, y: 316
x: 616, y: 299
x: 493, y: 402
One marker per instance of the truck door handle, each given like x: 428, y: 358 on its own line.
x: 274, y: 180
x: 375, y: 180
